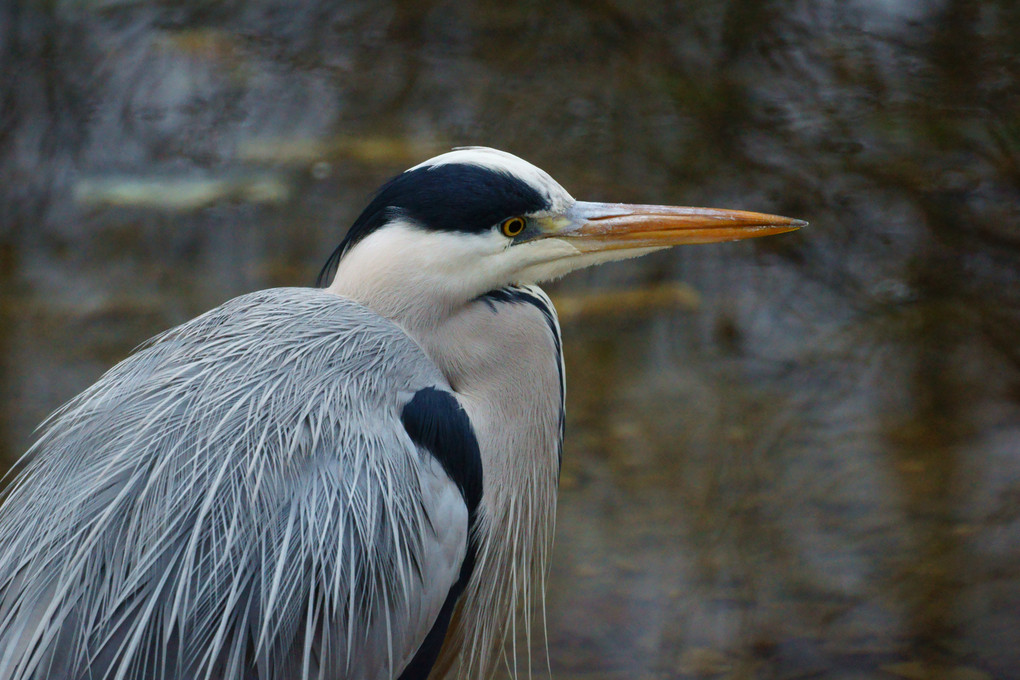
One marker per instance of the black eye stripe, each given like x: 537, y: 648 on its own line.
x: 456, y: 197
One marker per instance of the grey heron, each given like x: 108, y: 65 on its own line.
x: 356, y: 481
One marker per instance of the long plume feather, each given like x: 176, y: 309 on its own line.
x: 237, y: 494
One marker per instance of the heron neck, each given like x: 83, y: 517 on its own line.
x: 501, y: 355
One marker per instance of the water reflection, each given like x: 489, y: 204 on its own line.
x: 804, y: 464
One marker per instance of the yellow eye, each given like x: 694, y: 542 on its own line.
x: 511, y: 227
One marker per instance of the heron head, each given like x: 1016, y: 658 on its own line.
x: 476, y: 219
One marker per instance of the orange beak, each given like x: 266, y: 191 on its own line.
x: 615, y: 226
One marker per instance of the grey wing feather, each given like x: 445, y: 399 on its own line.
x: 237, y: 499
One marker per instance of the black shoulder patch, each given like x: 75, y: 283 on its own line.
x: 437, y: 422
x: 452, y: 197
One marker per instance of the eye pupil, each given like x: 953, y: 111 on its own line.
x: 512, y: 227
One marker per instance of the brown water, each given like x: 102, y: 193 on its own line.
x: 794, y: 458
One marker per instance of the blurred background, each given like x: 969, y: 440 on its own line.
x: 790, y: 458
